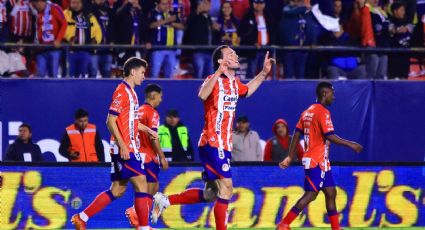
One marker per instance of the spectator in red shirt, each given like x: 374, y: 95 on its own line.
x: 21, y: 21
x: 51, y: 27
x: 277, y: 147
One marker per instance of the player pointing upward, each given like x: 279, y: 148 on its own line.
x: 316, y: 125
x: 220, y: 93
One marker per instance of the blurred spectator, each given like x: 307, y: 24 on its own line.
x: 82, y: 29
x: 343, y: 66
x: 228, y: 33
x: 51, y: 27
x: 277, y: 147
x: 400, y: 31
x: 246, y: 142
x: 200, y: 32
x: 292, y: 32
x: 12, y: 64
x: 378, y: 63
x: 360, y: 25
x: 131, y: 29
x: 410, y: 7
x: 102, y: 60
x: 4, y: 30
x: 215, y: 9
x: 81, y: 141
x: 23, y: 149
x: 255, y: 29
x: 174, y: 139
x: 181, y: 8
x: 163, y: 25
x: 240, y: 7
x: 21, y: 22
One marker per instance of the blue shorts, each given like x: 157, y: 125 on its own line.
x: 152, y: 172
x: 125, y: 169
x: 316, y: 179
x: 216, y: 163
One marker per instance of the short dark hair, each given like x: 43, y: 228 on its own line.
x: 322, y: 85
x: 218, y: 54
x: 26, y: 125
x: 80, y: 113
x: 396, y: 5
x: 172, y: 113
x: 152, y: 88
x: 133, y: 63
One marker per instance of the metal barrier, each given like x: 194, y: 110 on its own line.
x: 414, y: 51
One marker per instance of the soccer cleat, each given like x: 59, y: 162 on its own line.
x: 160, y: 203
x: 78, y: 222
x: 282, y: 226
x: 131, y: 215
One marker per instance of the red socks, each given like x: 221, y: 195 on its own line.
x: 220, y: 213
x: 190, y: 196
x: 100, y: 202
x: 143, y: 205
x: 292, y: 214
x: 334, y: 219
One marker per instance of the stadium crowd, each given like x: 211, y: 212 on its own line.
x: 255, y: 23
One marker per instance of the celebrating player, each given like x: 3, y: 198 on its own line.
x: 220, y: 93
x: 127, y: 162
x: 149, y: 147
x: 316, y: 125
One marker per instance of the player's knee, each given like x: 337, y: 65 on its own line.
x: 118, y: 192
x: 210, y: 191
x: 312, y: 196
x: 330, y: 194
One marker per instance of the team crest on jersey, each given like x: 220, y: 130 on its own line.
x: 225, y: 167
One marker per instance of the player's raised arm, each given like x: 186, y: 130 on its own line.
x: 292, y: 151
x: 209, y: 83
x: 111, y: 123
x: 256, y: 82
x: 340, y: 141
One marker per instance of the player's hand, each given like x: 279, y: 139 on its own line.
x: 268, y: 63
x: 357, y: 147
x: 125, y: 155
x: 164, y: 163
x: 74, y: 155
x: 285, y: 163
x: 224, y: 65
x: 152, y: 134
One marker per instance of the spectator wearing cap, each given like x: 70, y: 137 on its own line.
x: 246, y: 142
x: 174, y: 139
x: 23, y: 149
x: 256, y: 29
x: 81, y: 141
x: 277, y: 147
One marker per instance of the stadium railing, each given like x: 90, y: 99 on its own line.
x: 417, y: 52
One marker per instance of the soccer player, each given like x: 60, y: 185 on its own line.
x: 220, y: 93
x: 316, y: 125
x: 149, y: 147
x: 127, y: 162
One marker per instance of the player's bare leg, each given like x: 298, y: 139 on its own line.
x: 330, y: 197
x: 142, y: 201
x: 116, y: 190
x: 225, y: 192
x: 131, y: 212
x: 306, y: 199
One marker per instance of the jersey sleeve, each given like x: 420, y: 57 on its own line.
x: 326, y: 125
x: 242, y: 88
x: 118, y: 103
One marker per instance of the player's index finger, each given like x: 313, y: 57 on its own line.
x: 267, y: 55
